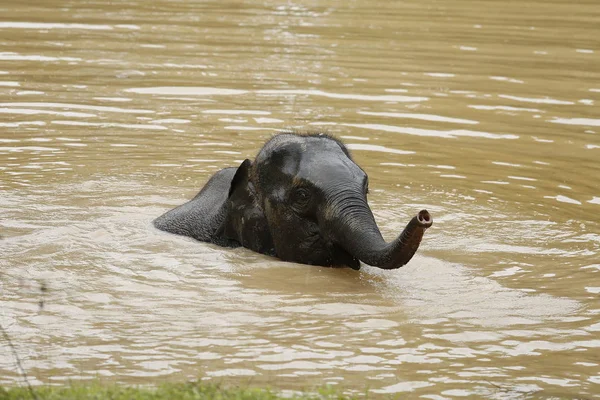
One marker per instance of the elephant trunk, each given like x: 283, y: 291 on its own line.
x: 354, y: 229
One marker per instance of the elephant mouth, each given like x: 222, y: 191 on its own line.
x: 341, y: 258
x: 328, y: 253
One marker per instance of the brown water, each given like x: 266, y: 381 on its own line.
x: 485, y: 113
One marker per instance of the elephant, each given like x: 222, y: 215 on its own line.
x: 303, y: 199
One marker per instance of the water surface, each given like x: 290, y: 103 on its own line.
x: 484, y: 113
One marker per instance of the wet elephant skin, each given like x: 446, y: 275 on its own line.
x: 302, y: 199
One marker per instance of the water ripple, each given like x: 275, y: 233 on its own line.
x: 424, y: 117
x: 79, y: 107
x: 451, y: 134
x: 55, y: 25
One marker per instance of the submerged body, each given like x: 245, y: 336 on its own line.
x: 302, y: 199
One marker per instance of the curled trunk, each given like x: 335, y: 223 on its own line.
x: 357, y: 232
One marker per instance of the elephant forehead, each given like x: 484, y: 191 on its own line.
x: 319, y: 160
x: 329, y: 167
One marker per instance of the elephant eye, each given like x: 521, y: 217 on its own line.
x: 301, y: 197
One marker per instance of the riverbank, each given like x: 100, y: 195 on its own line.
x: 168, y: 391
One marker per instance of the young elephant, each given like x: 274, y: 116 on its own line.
x: 303, y: 199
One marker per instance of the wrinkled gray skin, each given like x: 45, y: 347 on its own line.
x: 303, y: 199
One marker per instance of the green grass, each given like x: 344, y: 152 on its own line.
x: 182, y: 391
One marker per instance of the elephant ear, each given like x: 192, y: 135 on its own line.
x: 245, y: 222
x: 240, y: 179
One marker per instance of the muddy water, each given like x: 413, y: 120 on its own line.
x: 484, y: 113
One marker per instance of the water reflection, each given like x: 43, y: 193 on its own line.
x: 188, y: 91
x: 577, y: 121
x: 77, y: 107
x: 437, y: 133
x: 385, y: 97
x: 51, y: 25
x: 425, y: 117
x: 545, y: 100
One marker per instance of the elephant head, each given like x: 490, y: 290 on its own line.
x: 304, y: 199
